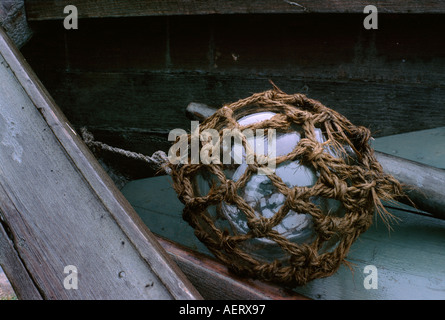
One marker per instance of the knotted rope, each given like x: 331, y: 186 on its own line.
x: 158, y: 161
x: 359, y: 185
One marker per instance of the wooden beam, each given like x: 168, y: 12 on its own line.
x: 53, y: 9
x: 158, y: 99
x: 331, y: 48
x: 60, y: 208
x: 215, y: 282
x: 15, y: 271
x: 424, y: 185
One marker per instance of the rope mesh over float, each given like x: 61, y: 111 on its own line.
x: 359, y: 185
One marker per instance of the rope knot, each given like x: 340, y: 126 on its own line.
x: 230, y: 235
x: 231, y: 192
x: 260, y: 228
x: 226, y: 112
x: 298, y: 99
x: 314, y: 151
x: 86, y: 136
x: 226, y: 242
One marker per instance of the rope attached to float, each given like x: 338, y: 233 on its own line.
x: 360, y: 187
x: 158, y: 161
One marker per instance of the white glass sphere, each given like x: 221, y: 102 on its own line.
x: 260, y: 193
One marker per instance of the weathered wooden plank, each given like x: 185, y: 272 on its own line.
x: 10, y: 262
x: 13, y: 20
x: 426, y: 149
x: 409, y: 258
x: 221, y: 60
x: 140, y: 81
x: 65, y: 210
x: 215, y: 282
x: 53, y: 9
x: 405, y: 49
x: 154, y: 102
x: 6, y: 290
x: 425, y: 185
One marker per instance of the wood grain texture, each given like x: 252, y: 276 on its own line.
x: 13, y: 20
x: 153, y: 102
x: 53, y: 9
x: 409, y: 258
x: 64, y: 210
x: 427, y: 183
x: 404, y: 50
x: 12, y: 265
x: 140, y: 74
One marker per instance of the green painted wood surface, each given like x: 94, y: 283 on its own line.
x: 425, y: 146
x: 410, y: 259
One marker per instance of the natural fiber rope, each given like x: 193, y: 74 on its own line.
x: 359, y: 186
x: 157, y: 161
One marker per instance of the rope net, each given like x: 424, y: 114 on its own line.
x: 357, y: 182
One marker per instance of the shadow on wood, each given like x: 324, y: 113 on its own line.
x: 215, y: 282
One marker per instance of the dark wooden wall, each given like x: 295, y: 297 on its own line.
x: 129, y: 79
x: 53, y: 9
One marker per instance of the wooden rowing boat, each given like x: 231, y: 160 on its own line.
x: 130, y: 70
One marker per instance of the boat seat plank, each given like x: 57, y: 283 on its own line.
x: 410, y: 259
x: 58, y: 207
